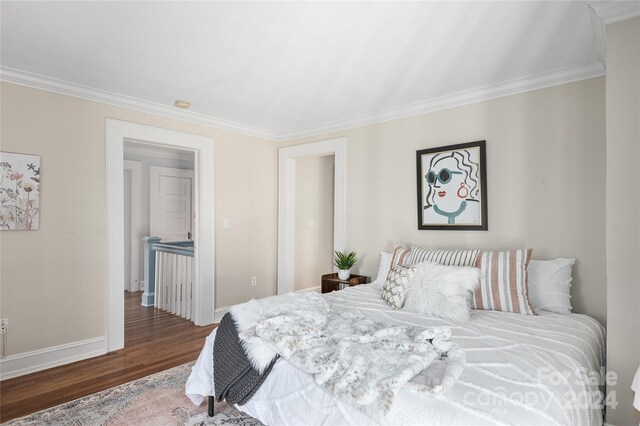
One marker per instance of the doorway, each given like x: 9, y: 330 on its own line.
x: 117, y: 132
x: 288, y: 157
x: 314, y: 221
x: 162, y: 207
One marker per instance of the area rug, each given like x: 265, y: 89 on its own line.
x: 156, y: 400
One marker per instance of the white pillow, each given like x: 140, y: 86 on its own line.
x: 550, y: 284
x: 383, y: 269
x: 394, y: 291
x: 442, y: 291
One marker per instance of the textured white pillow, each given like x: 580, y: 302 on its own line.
x: 550, y: 284
x: 383, y: 269
x: 394, y: 291
x: 442, y: 291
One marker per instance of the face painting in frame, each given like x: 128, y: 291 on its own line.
x: 451, y: 187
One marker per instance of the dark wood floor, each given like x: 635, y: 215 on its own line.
x: 154, y: 341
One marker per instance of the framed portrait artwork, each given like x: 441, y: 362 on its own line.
x: 452, y: 187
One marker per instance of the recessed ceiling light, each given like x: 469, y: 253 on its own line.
x: 182, y: 104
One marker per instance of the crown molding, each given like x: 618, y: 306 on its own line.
x: 599, y: 33
x: 615, y: 11
x: 506, y: 88
x: 24, y: 78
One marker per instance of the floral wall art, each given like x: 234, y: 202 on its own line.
x: 19, y: 191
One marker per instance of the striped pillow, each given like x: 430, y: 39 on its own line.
x: 399, y: 255
x: 503, y: 281
x: 442, y: 257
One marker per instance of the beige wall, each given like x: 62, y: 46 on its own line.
x: 546, y: 186
x: 545, y: 152
x: 623, y: 214
x: 314, y: 201
x: 53, y: 280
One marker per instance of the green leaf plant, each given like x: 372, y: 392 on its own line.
x: 344, y: 260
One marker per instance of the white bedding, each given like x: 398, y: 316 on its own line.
x: 520, y: 370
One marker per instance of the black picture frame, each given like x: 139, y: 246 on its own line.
x: 452, y: 187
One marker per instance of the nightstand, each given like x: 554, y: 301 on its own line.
x: 331, y: 282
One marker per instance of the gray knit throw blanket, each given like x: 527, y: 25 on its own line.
x: 235, y: 379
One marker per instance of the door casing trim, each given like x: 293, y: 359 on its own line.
x: 117, y: 132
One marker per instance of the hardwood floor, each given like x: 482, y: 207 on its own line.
x: 154, y: 341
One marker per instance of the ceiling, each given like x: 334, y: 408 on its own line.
x: 287, y: 69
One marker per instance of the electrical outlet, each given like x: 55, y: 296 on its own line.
x: 4, y: 325
x: 254, y: 281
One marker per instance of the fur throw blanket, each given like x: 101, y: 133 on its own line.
x: 359, y: 361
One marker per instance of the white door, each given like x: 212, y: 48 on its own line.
x: 170, y: 203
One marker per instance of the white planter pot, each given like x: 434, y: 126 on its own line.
x: 344, y: 274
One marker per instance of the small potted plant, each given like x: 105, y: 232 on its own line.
x: 344, y: 262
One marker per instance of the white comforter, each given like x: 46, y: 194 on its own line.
x: 520, y: 370
x: 356, y: 359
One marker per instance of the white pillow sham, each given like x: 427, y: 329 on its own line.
x: 442, y: 291
x: 383, y: 269
x: 550, y: 285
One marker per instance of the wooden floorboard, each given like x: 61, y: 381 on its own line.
x: 154, y: 341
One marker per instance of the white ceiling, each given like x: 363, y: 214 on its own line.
x: 284, y: 69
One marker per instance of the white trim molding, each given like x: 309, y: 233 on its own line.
x: 615, y: 11
x: 286, y: 202
x: 37, y: 81
x: 220, y: 312
x: 30, y: 362
x: 609, y: 12
x: 505, y: 88
x: 117, y: 132
x: 309, y: 289
x: 599, y: 34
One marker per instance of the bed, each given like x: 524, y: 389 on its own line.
x: 521, y: 369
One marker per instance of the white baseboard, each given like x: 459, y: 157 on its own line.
x: 30, y: 362
x: 219, y: 313
x: 306, y: 290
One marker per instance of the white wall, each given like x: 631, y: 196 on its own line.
x: 314, y: 201
x: 623, y: 214
x: 543, y: 150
